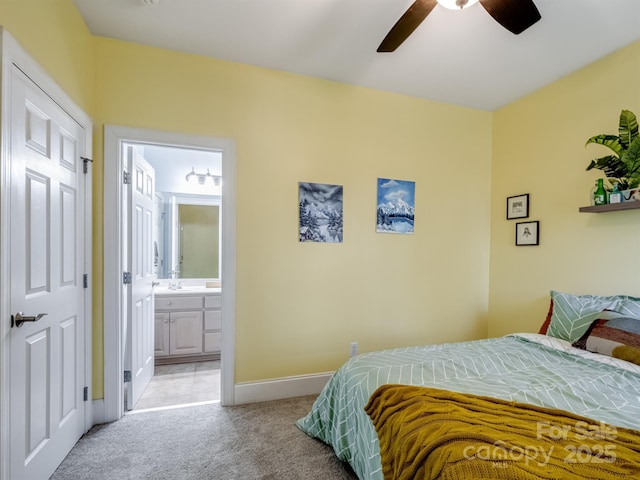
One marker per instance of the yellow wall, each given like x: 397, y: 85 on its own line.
x: 300, y: 305
x: 538, y: 148
x: 55, y: 35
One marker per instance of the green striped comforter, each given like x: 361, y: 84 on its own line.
x: 528, y: 368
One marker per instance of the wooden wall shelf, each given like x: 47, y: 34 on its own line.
x: 611, y: 207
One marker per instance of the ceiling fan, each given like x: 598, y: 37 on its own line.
x: 514, y: 15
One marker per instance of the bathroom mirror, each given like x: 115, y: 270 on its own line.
x: 188, y: 244
x: 187, y: 221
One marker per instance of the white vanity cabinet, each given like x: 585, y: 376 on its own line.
x: 178, y: 333
x: 212, y: 323
x: 187, y: 326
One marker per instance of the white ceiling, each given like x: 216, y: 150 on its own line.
x: 172, y: 164
x: 457, y: 57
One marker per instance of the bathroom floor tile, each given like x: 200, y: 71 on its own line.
x: 182, y: 383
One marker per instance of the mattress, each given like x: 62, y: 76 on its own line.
x: 529, y: 368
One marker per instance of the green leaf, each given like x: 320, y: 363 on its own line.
x: 628, y: 128
x: 623, y: 183
x: 631, y: 158
x: 610, y: 165
x: 610, y: 141
x: 624, y: 165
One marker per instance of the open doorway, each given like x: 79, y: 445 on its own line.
x: 210, y: 297
x: 186, y: 259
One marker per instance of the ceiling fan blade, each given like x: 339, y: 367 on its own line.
x: 407, y: 24
x: 514, y: 15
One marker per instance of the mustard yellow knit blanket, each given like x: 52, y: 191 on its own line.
x: 428, y: 433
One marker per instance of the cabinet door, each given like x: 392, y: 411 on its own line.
x: 186, y: 333
x: 161, y: 334
x: 212, y: 324
x: 212, y: 320
x: 212, y: 342
x: 213, y: 301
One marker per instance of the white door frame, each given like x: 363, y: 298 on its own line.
x: 114, y: 137
x: 13, y: 54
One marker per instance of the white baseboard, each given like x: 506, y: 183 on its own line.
x: 279, y: 388
x: 252, y: 392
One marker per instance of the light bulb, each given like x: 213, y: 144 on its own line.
x: 457, y: 4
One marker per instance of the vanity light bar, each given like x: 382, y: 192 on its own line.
x: 202, y: 177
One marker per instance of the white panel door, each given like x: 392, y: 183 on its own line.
x: 47, y: 407
x: 141, y: 313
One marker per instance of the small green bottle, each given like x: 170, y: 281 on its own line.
x: 600, y: 196
x: 592, y: 193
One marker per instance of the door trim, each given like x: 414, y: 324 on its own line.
x: 114, y: 137
x: 14, y: 55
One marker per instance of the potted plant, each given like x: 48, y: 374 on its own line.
x: 623, y: 165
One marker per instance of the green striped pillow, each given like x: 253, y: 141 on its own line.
x: 573, y: 314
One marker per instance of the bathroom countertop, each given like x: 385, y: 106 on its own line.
x: 186, y: 290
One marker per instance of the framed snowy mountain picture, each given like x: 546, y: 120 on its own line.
x: 396, y: 202
x: 320, y: 212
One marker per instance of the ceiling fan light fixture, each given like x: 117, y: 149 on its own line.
x: 457, y: 4
x: 150, y: 3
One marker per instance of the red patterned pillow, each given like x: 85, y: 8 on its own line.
x: 545, y: 325
x: 617, y: 337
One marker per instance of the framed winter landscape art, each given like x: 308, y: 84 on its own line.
x: 320, y: 212
x: 396, y: 202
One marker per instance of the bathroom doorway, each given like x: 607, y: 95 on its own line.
x: 186, y: 234
x: 186, y: 157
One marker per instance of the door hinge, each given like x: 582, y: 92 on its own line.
x: 127, y: 376
x: 126, y: 278
x: 126, y: 178
x: 85, y: 167
x: 85, y: 280
x: 85, y: 393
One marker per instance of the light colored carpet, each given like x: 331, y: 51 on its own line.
x: 247, y: 442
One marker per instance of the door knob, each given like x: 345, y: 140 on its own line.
x: 20, y: 318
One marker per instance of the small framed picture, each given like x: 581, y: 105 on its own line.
x: 528, y: 233
x: 518, y: 206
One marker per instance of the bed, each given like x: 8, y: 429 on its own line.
x: 552, y: 371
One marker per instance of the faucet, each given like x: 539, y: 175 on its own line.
x: 175, y: 285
